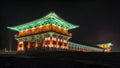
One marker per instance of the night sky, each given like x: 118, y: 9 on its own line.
x: 99, y: 20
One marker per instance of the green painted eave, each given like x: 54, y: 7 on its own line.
x: 108, y: 44
x: 72, y: 44
x: 50, y: 18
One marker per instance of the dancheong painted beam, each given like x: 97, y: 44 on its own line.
x: 50, y: 18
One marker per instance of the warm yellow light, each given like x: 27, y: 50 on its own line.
x: 36, y: 44
x: 20, y: 46
x: 51, y: 42
x: 105, y: 46
x: 29, y: 45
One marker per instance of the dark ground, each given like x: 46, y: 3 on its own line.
x: 61, y: 59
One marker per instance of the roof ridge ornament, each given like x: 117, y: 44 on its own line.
x: 51, y: 15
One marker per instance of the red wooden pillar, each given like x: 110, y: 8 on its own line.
x: 57, y: 43
x: 29, y: 45
x: 63, y: 43
x: 51, y: 42
x: 36, y: 43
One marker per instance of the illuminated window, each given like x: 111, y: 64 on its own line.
x: 48, y: 38
x: 61, y: 40
x: 65, y: 41
x: 21, y: 42
x: 58, y: 39
x: 45, y: 45
x: 55, y: 39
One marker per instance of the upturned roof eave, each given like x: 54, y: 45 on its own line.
x: 38, y: 21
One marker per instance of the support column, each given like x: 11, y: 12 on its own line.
x: 57, y: 43
x: 29, y: 45
x: 67, y: 44
x: 62, y: 43
x: 36, y: 43
x: 44, y: 42
x: 51, y: 42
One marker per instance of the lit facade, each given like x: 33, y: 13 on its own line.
x: 50, y: 31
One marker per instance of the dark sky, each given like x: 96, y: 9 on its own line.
x: 99, y: 20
